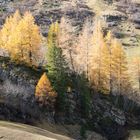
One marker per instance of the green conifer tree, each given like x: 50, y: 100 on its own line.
x: 56, y: 64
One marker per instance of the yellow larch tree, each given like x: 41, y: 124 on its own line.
x: 29, y: 39
x: 21, y: 38
x: 7, y: 32
x: 13, y: 42
x: 108, y: 40
x: 105, y: 69
x: 44, y: 92
x: 119, y: 67
x: 109, y: 71
x: 118, y: 74
x: 135, y: 71
x: 99, y: 60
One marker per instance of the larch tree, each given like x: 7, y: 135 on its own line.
x: 30, y: 39
x: 109, y: 71
x: 118, y: 75
x: 119, y: 66
x: 108, y: 40
x: 99, y: 60
x: 7, y: 32
x: 44, y: 93
x: 21, y: 38
x: 135, y: 71
x: 105, y: 69
x: 84, y: 45
x: 67, y: 42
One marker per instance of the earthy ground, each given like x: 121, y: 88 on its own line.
x: 10, y: 131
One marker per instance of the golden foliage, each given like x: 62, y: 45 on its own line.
x: 100, y: 60
x: 119, y: 67
x: 20, y: 36
x: 44, y: 91
x: 108, y: 67
x: 8, y: 30
x: 135, y: 71
x: 53, y: 34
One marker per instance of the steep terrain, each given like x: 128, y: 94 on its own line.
x: 11, y: 131
x: 17, y: 82
x: 18, y: 103
x: 122, y: 18
x: 47, y: 11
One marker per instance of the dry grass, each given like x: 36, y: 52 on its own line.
x: 99, y: 6
x: 67, y: 130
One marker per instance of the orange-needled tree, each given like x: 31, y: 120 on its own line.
x: 44, y: 92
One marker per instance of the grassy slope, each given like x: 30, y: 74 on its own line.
x: 134, y: 135
x: 25, y: 132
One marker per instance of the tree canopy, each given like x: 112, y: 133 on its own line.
x: 21, y: 38
x: 44, y: 93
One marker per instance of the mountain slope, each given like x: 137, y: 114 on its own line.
x: 47, y: 11
x: 122, y: 18
x: 13, y: 131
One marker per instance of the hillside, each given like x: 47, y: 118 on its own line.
x: 18, y: 104
x: 122, y: 18
x: 11, y: 131
x: 70, y: 66
x: 47, y: 11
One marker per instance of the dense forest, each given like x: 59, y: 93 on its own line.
x: 78, y: 74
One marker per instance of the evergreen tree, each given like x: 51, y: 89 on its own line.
x: 83, y: 88
x: 56, y: 64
